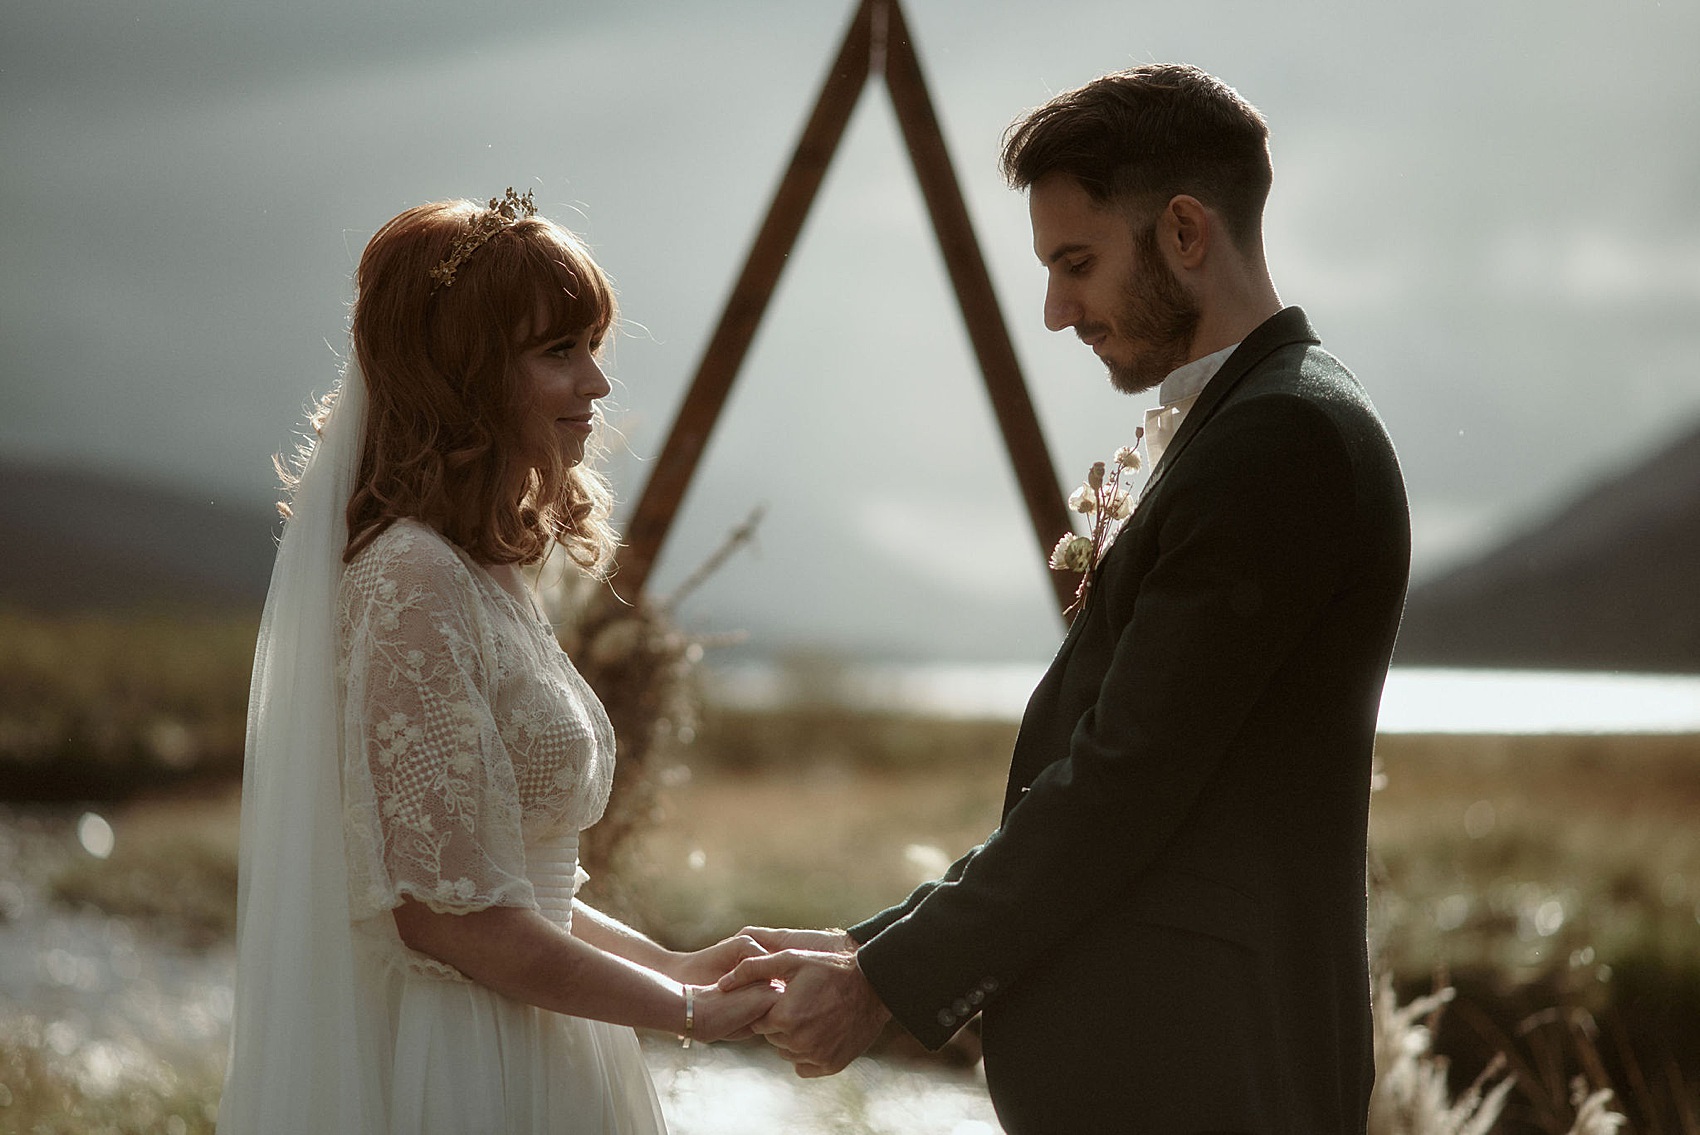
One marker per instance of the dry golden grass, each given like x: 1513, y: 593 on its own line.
x: 1539, y: 857
x: 40, y: 1094
x: 1573, y: 906
x: 172, y: 866
x: 1554, y: 881
x: 102, y: 706
x: 817, y: 846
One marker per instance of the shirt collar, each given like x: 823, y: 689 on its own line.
x: 1185, y: 382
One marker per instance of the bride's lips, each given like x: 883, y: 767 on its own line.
x: 582, y: 424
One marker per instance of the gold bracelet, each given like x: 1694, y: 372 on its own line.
x: 690, y: 1014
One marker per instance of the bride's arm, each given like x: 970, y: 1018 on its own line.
x: 518, y: 953
x: 702, y: 966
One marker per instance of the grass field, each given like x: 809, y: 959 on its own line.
x: 99, y: 707
x: 1554, y: 881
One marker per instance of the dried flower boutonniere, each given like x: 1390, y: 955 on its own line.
x: 1103, y: 499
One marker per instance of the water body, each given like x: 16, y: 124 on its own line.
x: 1415, y: 701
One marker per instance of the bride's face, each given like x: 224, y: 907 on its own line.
x: 564, y: 382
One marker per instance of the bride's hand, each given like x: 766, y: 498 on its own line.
x: 773, y: 940
x: 710, y: 964
x: 728, y: 1016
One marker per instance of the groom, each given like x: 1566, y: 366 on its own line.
x: 1167, y: 931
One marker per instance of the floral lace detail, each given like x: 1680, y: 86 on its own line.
x: 467, y: 732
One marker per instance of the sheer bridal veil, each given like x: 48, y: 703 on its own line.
x: 303, y: 1053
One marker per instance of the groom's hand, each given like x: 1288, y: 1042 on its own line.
x: 828, y: 1015
x: 773, y: 940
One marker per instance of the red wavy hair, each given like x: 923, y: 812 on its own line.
x: 447, y: 433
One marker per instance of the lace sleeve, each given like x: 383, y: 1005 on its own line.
x: 432, y: 810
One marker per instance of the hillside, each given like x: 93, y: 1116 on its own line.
x: 75, y: 540
x: 1611, y: 581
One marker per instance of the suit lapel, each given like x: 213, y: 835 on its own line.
x: 1288, y: 325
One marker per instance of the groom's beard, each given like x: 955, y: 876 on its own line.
x: 1157, y: 312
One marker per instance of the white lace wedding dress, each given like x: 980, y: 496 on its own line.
x: 474, y: 755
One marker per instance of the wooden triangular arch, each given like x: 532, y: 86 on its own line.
x: 877, y: 43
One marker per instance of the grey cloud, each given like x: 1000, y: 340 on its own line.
x: 1492, y: 212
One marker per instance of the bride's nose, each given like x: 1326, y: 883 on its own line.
x: 593, y: 384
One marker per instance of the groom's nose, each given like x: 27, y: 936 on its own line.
x: 1062, y: 310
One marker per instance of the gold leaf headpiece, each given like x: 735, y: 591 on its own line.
x: 501, y: 213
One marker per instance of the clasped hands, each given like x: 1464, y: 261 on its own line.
x: 825, y: 1013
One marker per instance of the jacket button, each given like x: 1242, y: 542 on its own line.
x: 960, y: 1007
x: 976, y: 997
x: 946, y: 1018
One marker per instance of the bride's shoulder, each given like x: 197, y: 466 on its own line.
x: 410, y: 554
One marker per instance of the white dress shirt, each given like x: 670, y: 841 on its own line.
x: 1178, y: 392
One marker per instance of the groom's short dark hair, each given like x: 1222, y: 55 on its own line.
x: 1142, y: 136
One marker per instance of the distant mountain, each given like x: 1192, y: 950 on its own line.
x: 1611, y: 582
x: 77, y: 540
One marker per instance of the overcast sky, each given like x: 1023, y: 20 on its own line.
x: 1491, y: 211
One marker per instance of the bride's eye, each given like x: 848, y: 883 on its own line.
x: 562, y: 349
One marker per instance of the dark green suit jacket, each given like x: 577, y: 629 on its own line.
x: 1167, y: 932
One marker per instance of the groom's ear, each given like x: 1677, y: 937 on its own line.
x: 1186, y: 228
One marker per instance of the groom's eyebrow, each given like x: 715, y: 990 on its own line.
x: 1065, y: 250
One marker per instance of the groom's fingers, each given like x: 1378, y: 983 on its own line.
x: 780, y: 1042
x: 771, y: 938
x: 765, y: 968
x: 795, y: 1056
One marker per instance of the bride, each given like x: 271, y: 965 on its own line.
x: 421, y: 754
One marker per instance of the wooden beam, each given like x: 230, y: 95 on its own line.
x: 723, y: 357
x: 1047, y: 509
x: 877, y: 41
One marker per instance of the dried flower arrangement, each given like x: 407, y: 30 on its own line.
x: 1108, y: 504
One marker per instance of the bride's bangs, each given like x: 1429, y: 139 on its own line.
x: 572, y: 294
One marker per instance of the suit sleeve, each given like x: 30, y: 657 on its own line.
x: 1251, y: 543
x: 869, y: 927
